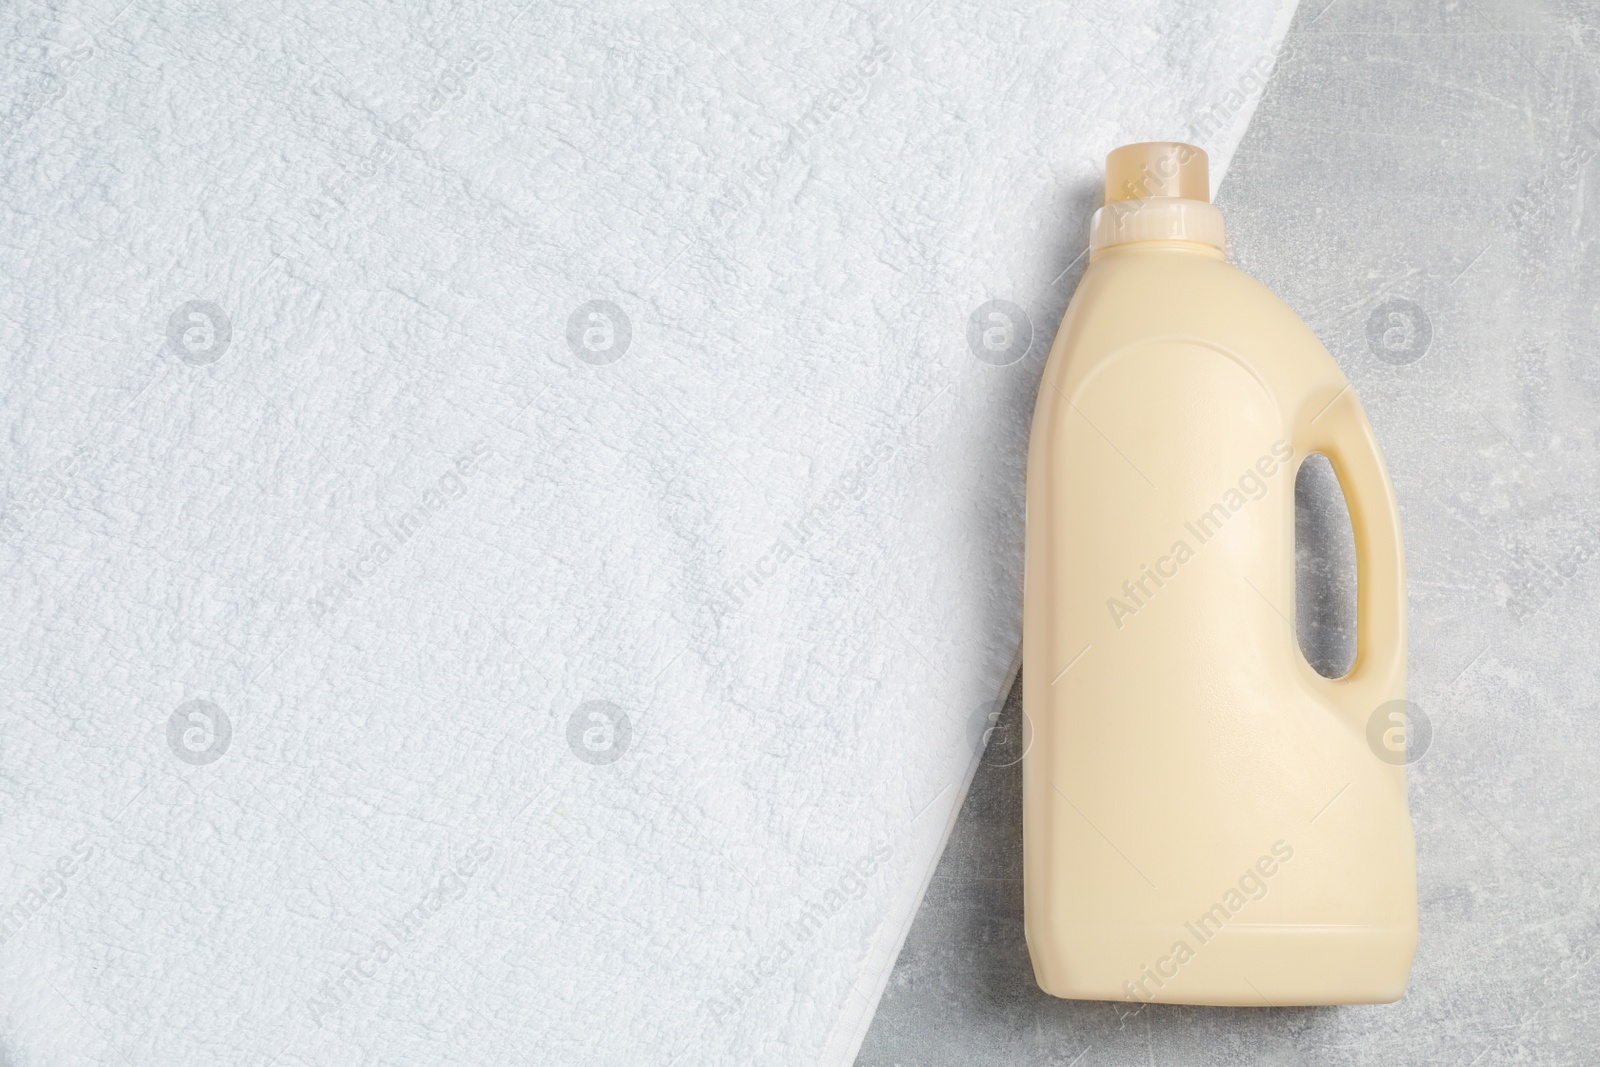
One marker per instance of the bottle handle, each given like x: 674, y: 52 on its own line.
x: 1334, y: 425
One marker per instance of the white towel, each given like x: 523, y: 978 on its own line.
x: 513, y: 515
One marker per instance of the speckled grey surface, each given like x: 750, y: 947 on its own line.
x: 1441, y: 155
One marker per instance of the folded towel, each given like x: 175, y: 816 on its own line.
x: 512, y: 514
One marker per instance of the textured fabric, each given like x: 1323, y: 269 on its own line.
x: 512, y: 515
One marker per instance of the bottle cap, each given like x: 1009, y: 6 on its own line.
x: 1157, y: 191
x: 1158, y: 168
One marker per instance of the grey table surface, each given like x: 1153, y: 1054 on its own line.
x: 1419, y: 184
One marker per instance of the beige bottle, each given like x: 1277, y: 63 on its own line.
x: 1205, y: 819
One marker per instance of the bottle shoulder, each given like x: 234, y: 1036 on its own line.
x: 1134, y: 299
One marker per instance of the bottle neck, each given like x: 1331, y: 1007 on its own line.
x: 1157, y: 218
x: 1177, y: 248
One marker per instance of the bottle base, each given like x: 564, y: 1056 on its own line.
x: 1240, y: 965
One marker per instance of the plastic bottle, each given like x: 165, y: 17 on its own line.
x: 1205, y: 818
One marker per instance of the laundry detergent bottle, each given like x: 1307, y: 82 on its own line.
x: 1207, y: 820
